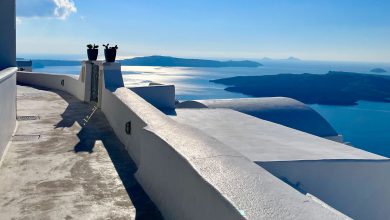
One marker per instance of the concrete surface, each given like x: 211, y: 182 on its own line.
x: 75, y: 169
x: 260, y: 140
x: 7, y: 106
x: 280, y: 110
x: 8, y: 34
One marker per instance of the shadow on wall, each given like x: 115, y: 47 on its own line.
x: 95, y: 127
x: 356, y: 187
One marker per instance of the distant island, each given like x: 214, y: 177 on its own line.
x: 181, y: 62
x: 287, y: 59
x: 333, y: 88
x: 156, y: 61
x: 378, y: 70
x: 293, y: 59
x: 43, y: 63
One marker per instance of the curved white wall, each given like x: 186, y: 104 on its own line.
x: 190, y: 175
x: 186, y: 173
x: 53, y: 81
x: 280, y: 110
x: 7, y: 106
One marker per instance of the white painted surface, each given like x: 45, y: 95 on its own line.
x: 353, y: 181
x: 357, y: 188
x: 280, y: 110
x: 85, y: 78
x: 7, y: 34
x: 190, y: 175
x: 7, y: 106
x: 71, y: 85
x: 261, y: 140
x: 112, y: 75
x: 160, y: 96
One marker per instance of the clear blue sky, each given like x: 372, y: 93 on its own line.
x: 354, y: 30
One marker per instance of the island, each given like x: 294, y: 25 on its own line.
x: 42, y: 63
x: 287, y: 59
x: 293, y: 59
x: 333, y: 88
x: 156, y: 61
x: 181, y: 62
x: 378, y: 70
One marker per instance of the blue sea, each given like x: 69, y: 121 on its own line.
x: 366, y: 125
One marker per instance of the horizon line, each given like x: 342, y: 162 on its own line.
x: 67, y: 57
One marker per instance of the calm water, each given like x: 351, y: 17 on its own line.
x: 366, y: 125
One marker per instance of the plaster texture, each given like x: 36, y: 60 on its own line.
x: 76, y: 169
x: 180, y: 165
x: 67, y: 83
x: 350, y: 180
x: 7, y: 106
x: 261, y: 140
x: 8, y: 34
x: 284, y: 111
x: 114, y: 75
x: 357, y: 188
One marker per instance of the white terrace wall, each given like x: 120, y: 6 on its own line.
x: 190, y: 175
x: 65, y: 83
x: 7, y: 106
x: 357, y: 188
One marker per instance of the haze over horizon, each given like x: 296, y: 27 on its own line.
x: 332, y: 30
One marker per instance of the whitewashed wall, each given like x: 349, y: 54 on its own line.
x: 190, y: 175
x: 7, y: 106
x: 53, y: 81
x: 357, y: 188
x: 186, y: 173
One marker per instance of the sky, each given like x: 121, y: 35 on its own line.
x: 338, y: 30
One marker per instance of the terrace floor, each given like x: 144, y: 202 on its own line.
x: 67, y: 164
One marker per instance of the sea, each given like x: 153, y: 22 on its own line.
x: 365, y: 125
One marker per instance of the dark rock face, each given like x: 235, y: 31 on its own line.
x: 180, y: 62
x: 334, y: 88
x: 378, y: 70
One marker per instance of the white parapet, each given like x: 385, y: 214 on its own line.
x: 188, y: 173
x: 7, y: 106
x: 280, y: 110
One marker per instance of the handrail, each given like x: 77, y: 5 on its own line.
x: 7, y: 73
